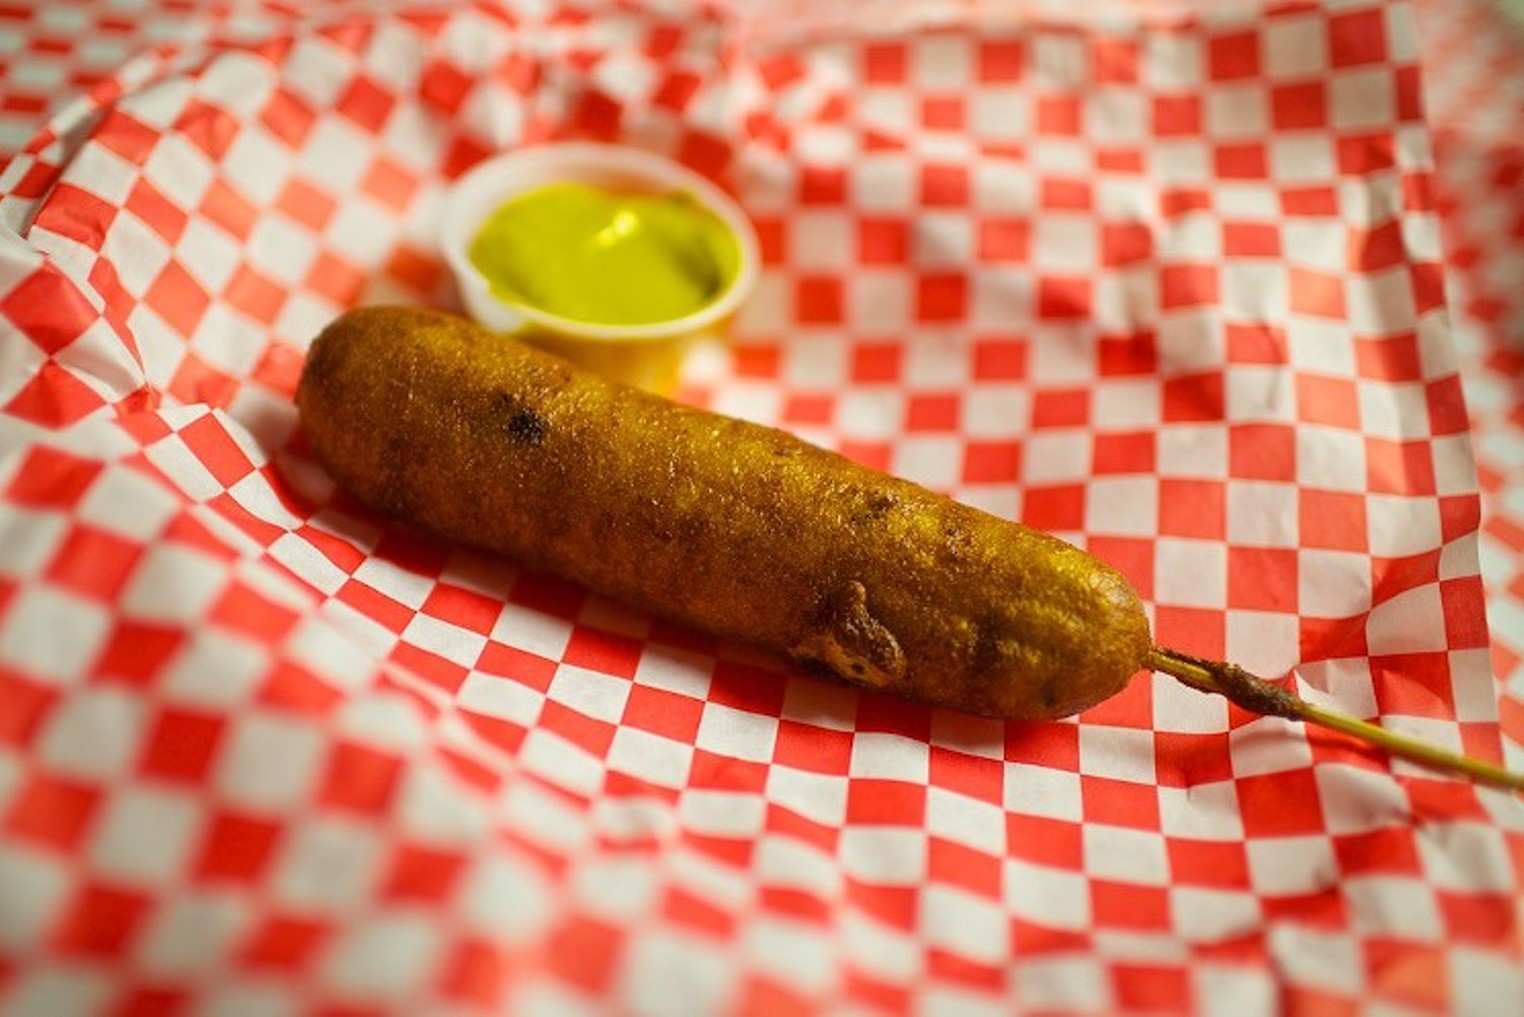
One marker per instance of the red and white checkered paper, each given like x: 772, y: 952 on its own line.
x: 1170, y: 287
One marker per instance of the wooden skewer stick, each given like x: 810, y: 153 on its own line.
x: 1260, y: 696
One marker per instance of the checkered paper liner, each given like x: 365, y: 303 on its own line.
x: 1474, y: 62
x: 1171, y: 290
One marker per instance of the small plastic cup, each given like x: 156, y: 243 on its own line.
x: 648, y: 355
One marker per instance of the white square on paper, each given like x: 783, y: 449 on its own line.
x: 1125, y: 855
x: 144, y: 835
x: 1291, y: 866
x: 1190, y: 573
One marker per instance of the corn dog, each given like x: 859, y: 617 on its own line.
x: 744, y: 531
x: 736, y: 529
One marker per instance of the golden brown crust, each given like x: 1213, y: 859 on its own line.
x: 731, y: 527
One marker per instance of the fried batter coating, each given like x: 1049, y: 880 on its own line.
x: 735, y: 529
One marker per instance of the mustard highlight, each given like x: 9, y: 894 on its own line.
x: 606, y: 258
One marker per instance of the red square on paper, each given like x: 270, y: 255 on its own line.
x: 360, y: 779
x: 1389, y: 357
x: 223, y: 205
x: 1317, y: 294
x: 941, y: 297
x: 943, y: 185
x: 1414, y: 684
x: 366, y: 103
x: 422, y: 874
x: 1064, y: 298
x: 1357, y: 37
x: 818, y: 300
x: 933, y: 411
x: 208, y: 127
x: 52, y: 812
x: 1332, y: 519
x: 1120, y: 803
x: 244, y: 609
x: 883, y: 241
x: 1256, y: 343
x: 237, y: 849
x: 288, y: 117
x: 822, y: 185
x: 991, y: 462
x: 1399, y: 467
x: 94, y: 563
x: 883, y: 63
x: 1177, y: 114
x: 663, y: 713
x: 1245, y: 161
x: 177, y: 298
x: 1187, y: 286
x: 100, y: 921
x: 1061, y: 408
x: 1262, y: 451
x: 1251, y: 240
x: 1280, y: 804
x: 208, y: 440
x: 1124, y: 243
x: 677, y: 90
x: 1310, y: 201
x: 1117, y: 905
x: 444, y: 85
x: 467, y: 608
x: 127, y: 137
x: 181, y: 745
x: 1000, y: 360
x: 602, y: 651
x: 1262, y: 578
x: 52, y: 479
x: 1465, y: 609
x: 1113, y: 59
x: 951, y: 863
x: 1043, y: 841
x: 1005, y: 239
x: 592, y: 735
x: 1055, y: 508
x: 1130, y: 452
x: 336, y: 279
x: 1001, y: 60
x: 1300, y: 106
x: 157, y: 212
x: 1378, y: 248
x: 1195, y: 398
x: 1447, y: 406
x: 1326, y: 400
x: 1061, y: 116
x: 1363, y: 154
x: 67, y: 315
x: 810, y: 747
x: 1223, y: 864
x: 1149, y: 988
x: 1192, y: 508
x: 1193, y: 629
x: 872, y: 362
x: 137, y: 651
x: 978, y: 777
x: 1134, y: 558
x: 1060, y: 194
x: 886, y: 802
x: 1233, y: 56
x: 390, y: 184
x: 1120, y: 355
x: 26, y: 707
x: 255, y: 295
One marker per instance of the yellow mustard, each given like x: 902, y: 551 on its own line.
x: 606, y: 258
